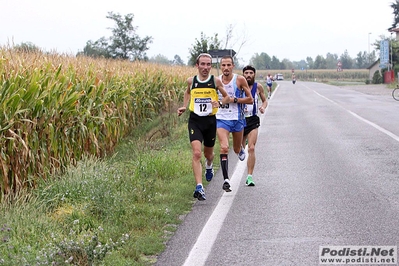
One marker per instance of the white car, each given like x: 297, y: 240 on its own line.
x: 278, y: 77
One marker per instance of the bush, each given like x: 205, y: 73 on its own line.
x: 377, y: 78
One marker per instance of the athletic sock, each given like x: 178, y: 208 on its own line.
x: 224, y: 165
x: 206, y: 164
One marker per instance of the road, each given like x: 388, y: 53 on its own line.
x: 327, y: 174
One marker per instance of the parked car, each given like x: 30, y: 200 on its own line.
x: 278, y: 77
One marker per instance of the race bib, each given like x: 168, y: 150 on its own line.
x: 201, y: 101
x: 203, y: 106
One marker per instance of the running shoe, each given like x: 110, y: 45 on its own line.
x: 199, y: 193
x: 209, y: 174
x: 241, y: 155
x: 226, y: 185
x: 250, y: 182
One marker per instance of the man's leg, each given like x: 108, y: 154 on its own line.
x: 197, y: 169
x: 252, y: 138
x: 196, y: 161
x: 237, y: 141
x: 223, y: 136
x: 209, y: 155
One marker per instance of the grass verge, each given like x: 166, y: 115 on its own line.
x: 116, y: 211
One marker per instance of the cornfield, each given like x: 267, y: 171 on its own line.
x: 320, y: 74
x: 55, y: 109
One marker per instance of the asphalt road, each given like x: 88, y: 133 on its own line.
x: 327, y: 174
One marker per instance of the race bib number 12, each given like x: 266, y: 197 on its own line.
x: 203, y: 106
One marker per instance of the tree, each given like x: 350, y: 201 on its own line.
x: 320, y: 62
x: 123, y: 44
x: 301, y: 64
x: 275, y: 63
x: 27, y: 47
x: 362, y: 60
x: 96, y: 49
x: 203, y: 45
x: 286, y: 64
x: 331, y: 61
x: 309, y: 62
x: 395, y: 6
x: 160, y: 59
x: 261, y: 61
x: 178, y: 61
x: 346, y: 60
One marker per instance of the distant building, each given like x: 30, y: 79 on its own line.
x: 376, y: 65
x: 396, y: 30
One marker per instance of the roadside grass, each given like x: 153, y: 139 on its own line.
x: 344, y: 82
x: 120, y: 210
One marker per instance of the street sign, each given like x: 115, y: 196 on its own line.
x: 218, y: 54
x: 384, y: 52
x: 221, y: 53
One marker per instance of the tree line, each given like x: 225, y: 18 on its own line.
x: 126, y: 44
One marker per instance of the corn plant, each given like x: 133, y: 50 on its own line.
x: 54, y: 109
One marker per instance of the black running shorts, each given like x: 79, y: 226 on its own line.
x: 252, y: 123
x: 202, y: 128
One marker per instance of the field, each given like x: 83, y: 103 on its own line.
x: 56, y: 109
x: 321, y: 75
x: 95, y: 165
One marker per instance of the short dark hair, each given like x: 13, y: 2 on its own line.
x: 228, y: 57
x: 249, y: 67
x: 202, y: 54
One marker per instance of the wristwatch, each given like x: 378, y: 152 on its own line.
x: 235, y: 99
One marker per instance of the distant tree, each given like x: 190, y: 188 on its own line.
x: 275, y: 63
x: 160, y: 59
x: 27, y: 47
x: 373, y: 57
x: 261, y: 61
x: 309, y: 62
x: 331, y: 61
x: 283, y: 64
x: 320, y: 62
x: 123, y: 44
x: 178, y: 61
x: 395, y: 12
x: 301, y: 64
x: 346, y: 60
x: 287, y: 64
x: 96, y: 49
x: 362, y: 60
x: 203, y: 45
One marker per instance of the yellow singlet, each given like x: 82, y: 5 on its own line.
x: 202, y: 93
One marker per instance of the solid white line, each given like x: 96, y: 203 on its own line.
x: 203, y: 246
x: 383, y: 130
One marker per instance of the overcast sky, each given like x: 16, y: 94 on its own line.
x: 289, y: 29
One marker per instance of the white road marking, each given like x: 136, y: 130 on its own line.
x: 383, y: 130
x: 203, y: 246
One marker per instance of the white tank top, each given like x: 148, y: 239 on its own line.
x: 230, y: 111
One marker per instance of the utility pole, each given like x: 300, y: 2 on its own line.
x: 369, y: 48
x: 391, y: 52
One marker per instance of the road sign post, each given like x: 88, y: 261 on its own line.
x: 216, y: 54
